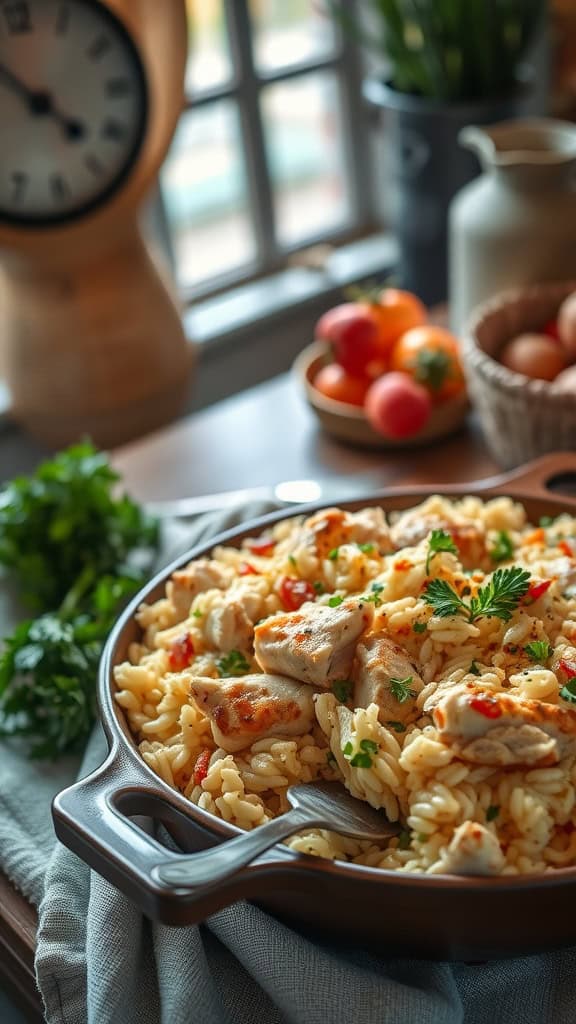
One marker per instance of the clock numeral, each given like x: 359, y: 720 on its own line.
x: 17, y: 16
x: 98, y: 48
x: 113, y: 130
x: 62, y: 20
x: 93, y: 164
x: 20, y: 182
x: 59, y: 188
x: 118, y: 87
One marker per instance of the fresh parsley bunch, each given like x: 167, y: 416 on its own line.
x: 76, y: 551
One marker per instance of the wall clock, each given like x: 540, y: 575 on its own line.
x: 90, y: 93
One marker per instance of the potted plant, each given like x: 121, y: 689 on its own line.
x: 448, y: 63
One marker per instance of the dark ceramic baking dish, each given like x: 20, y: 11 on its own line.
x: 417, y: 915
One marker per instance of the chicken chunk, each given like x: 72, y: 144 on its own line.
x: 315, y: 644
x: 379, y: 661
x: 228, y: 627
x: 500, y: 729
x: 333, y: 527
x: 244, y: 710
x: 415, y: 525
x: 473, y: 850
x: 195, y: 578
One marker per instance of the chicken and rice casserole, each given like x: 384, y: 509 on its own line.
x: 426, y: 659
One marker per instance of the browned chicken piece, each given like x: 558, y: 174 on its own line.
x: 473, y: 850
x: 194, y: 579
x: 384, y: 675
x: 500, y: 729
x: 329, y: 529
x: 315, y: 644
x: 228, y: 627
x: 414, y: 526
x: 244, y: 710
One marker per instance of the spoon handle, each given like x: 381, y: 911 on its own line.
x: 211, y: 866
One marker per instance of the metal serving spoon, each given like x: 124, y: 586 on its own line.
x: 315, y: 804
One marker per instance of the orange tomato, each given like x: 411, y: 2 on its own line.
x: 395, y: 312
x: 335, y: 382
x: 431, y: 356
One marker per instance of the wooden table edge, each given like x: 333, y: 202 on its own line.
x: 18, y: 926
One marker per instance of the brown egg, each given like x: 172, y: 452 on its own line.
x: 567, y: 326
x: 534, y: 355
x: 566, y: 381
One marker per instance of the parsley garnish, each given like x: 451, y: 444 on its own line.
x: 198, y: 613
x: 342, y: 689
x: 492, y: 812
x: 568, y: 691
x: 538, y: 651
x: 334, y: 601
x: 374, y: 596
x: 333, y: 555
x: 439, y: 541
x: 404, y: 840
x: 546, y: 521
x: 397, y: 726
x: 291, y: 559
x: 363, y: 757
x: 503, y: 548
x: 497, y: 599
x: 318, y: 586
x: 400, y: 689
x: 367, y: 549
x: 232, y: 664
x: 474, y: 669
x: 420, y: 627
x: 331, y: 759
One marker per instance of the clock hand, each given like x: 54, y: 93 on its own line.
x: 41, y: 105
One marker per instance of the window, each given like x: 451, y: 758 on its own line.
x: 270, y: 155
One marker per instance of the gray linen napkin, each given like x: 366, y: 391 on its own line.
x: 99, y: 961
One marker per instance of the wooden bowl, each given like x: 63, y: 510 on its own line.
x: 349, y: 423
x: 521, y: 418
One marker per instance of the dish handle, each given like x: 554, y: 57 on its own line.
x: 549, y: 477
x: 95, y: 819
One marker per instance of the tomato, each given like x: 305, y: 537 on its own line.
x: 486, y: 706
x: 352, y: 330
x: 534, y: 355
x: 335, y: 382
x: 294, y: 592
x: 551, y: 329
x: 261, y: 545
x: 397, y: 312
x: 396, y: 406
x: 431, y: 355
x: 181, y: 652
x: 536, y: 590
x: 247, y: 569
x: 201, y: 766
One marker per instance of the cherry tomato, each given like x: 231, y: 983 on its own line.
x: 396, y: 406
x: 352, y: 330
x: 181, y: 652
x: 335, y: 382
x: 431, y: 356
x: 397, y: 311
x: 294, y: 592
x: 534, y: 355
x: 261, y: 545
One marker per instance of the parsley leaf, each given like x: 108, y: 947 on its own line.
x: 404, y: 840
x: 318, y: 586
x: 546, y: 521
x: 342, y: 690
x: 363, y: 757
x: 333, y: 554
x: 396, y: 726
x: 568, y: 691
x: 498, y: 598
x: 334, y: 601
x: 538, y: 651
x: 474, y: 669
x: 420, y: 627
x: 503, y: 548
x: 400, y: 689
x: 492, y: 812
x: 374, y: 596
x: 439, y: 541
x: 366, y: 549
x: 232, y: 664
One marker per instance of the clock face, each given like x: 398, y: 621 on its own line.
x: 73, y: 108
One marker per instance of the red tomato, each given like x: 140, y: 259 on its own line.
x: 396, y: 406
x: 352, y: 330
x: 535, y: 590
x: 261, y: 545
x: 335, y: 382
x: 551, y: 329
x: 181, y: 652
x: 294, y: 592
x: 247, y: 569
x: 397, y: 312
x: 430, y: 355
x: 201, y: 766
x: 486, y: 706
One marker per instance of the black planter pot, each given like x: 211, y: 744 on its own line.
x: 428, y: 167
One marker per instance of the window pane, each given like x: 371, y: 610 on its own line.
x: 204, y: 184
x: 304, y: 143
x: 289, y: 31
x: 209, y: 63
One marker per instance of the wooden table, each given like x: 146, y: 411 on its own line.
x: 262, y: 436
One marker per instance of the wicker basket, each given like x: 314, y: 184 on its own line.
x: 521, y: 418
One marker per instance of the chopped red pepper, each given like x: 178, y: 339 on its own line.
x: 294, y: 592
x: 247, y: 569
x: 486, y: 706
x: 402, y: 565
x: 565, y: 548
x: 201, y: 766
x: 535, y: 590
x: 262, y: 546
x: 567, y: 667
x: 181, y: 652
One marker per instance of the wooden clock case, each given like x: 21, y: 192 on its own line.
x: 91, y: 338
